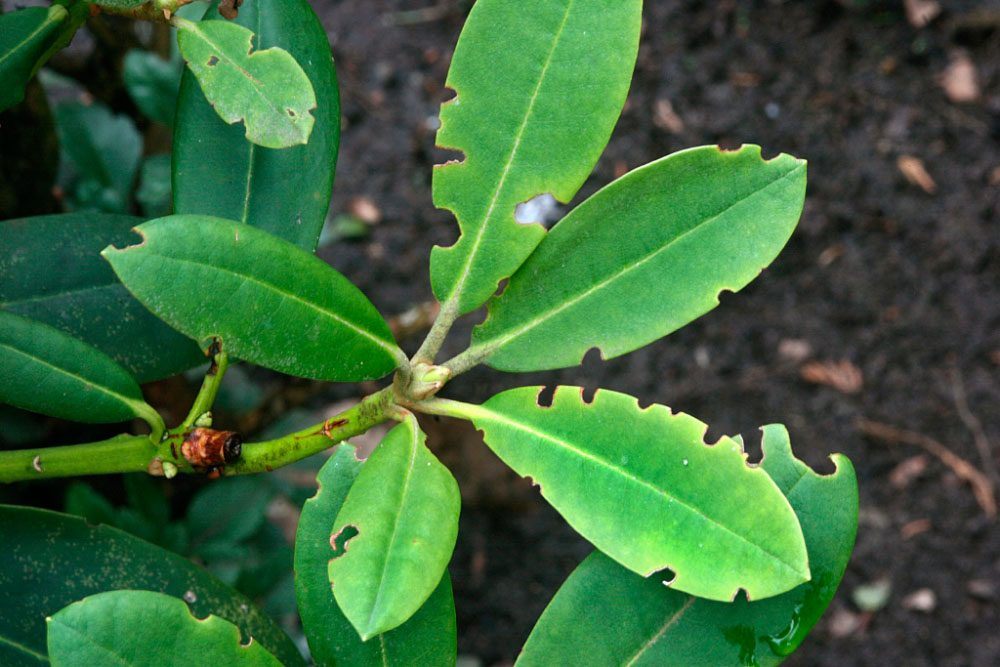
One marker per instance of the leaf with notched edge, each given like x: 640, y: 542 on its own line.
x: 144, y: 628
x: 643, y: 257
x: 403, y: 510
x: 644, y: 488
x: 428, y: 638
x: 605, y: 615
x: 266, y: 89
x: 539, y: 86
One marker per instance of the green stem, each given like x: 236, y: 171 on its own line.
x: 122, y: 453
x: 209, y: 386
x: 439, y: 331
x: 472, y: 356
x: 133, y: 453
x: 449, y: 408
x: 266, y: 456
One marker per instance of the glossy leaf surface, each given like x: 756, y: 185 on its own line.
x: 105, y: 150
x: 645, y: 489
x: 606, y: 615
x: 47, y: 371
x: 397, y: 529
x: 218, y: 172
x: 264, y: 88
x: 152, y: 83
x: 25, y: 36
x: 272, y: 303
x: 428, y: 639
x: 645, y: 256
x: 539, y: 87
x: 144, y: 628
x: 60, y: 559
x: 84, y: 298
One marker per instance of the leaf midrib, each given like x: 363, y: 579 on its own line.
x: 497, y: 343
x: 414, y: 449
x: 456, y: 291
x: 290, y: 295
x: 62, y: 294
x: 635, y: 478
x: 670, y: 622
x: 18, y: 646
x: 130, y: 402
x: 41, y: 26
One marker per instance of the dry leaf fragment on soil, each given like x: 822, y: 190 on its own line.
x: 921, y: 12
x: 959, y: 80
x: 982, y: 487
x: 841, y: 375
x: 665, y: 117
x: 914, y: 171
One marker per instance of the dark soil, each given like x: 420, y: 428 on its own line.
x: 897, y: 282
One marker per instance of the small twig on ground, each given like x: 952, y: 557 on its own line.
x: 973, y: 424
x: 413, y: 16
x: 982, y: 486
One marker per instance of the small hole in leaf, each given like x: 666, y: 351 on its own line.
x: 340, y: 539
x: 545, y: 397
x: 213, y: 61
x: 501, y: 286
x: 291, y: 113
x: 541, y: 209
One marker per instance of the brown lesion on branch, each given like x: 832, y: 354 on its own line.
x: 208, y: 450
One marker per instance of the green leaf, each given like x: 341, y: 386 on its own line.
x: 103, y: 149
x: 145, y: 628
x: 606, y: 615
x: 272, y: 303
x: 25, y: 37
x: 152, y: 83
x: 644, y: 256
x: 644, y: 488
x: 227, y: 512
x: 84, y: 297
x: 539, y: 87
x: 427, y: 639
x: 153, y: 194
x: 397, y: 529
x: 46, y: 371
x: 51, y: 560
x: 266, y: 89
x: 217, y: 172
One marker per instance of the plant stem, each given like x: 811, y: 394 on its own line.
x: 122, y: 453
x: 449, y: 408
x: 266, y: 456
x: 133, y: 453
x: 472, y: 356
x: 439, y: 331
x: 209, y: 386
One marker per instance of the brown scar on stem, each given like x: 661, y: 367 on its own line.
x: 332, y: 424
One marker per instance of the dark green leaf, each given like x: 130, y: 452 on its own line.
x: 153, y: 194
x: 145, y: 628
x: 152, y: 83
x: 83, y: 501
x: 227, y: 512
x: 645, y: 256
x: 428, y: 639
x: 147, y: 496
x: 25, y: 37
x: 272, y: 303
x: 264, y: 88
x: 84, y: 297
x: 397, y: 529
x: 51, y: 560
x: 47, y: 371
x: 539, y: 86
x: 217, y: 172
x: 644, y: 488
x: 606, y: 615
x: 104, y: 151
